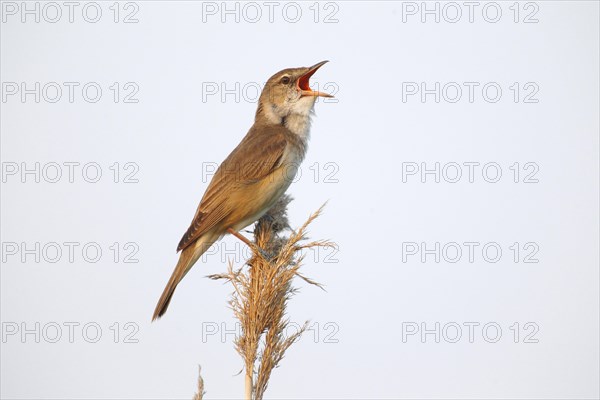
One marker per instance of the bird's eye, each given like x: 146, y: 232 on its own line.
x: 285, y: 80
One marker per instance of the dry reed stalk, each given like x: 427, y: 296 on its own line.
x: 261, y: 293
x: 200, y: 392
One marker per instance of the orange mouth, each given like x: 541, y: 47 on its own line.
x: 304, y: 86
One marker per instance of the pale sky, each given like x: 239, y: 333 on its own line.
x: 459, y: 161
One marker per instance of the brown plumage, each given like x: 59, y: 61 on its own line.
x: 256, y: 173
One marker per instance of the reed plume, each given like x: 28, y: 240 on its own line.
x: 261, y: 293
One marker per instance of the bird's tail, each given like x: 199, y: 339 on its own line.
x: 187, y: 259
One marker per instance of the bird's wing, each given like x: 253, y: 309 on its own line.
x: 252, y: 160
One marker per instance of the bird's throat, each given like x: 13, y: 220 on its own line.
x: 298, y: 124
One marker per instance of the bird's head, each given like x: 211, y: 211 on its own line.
x: 287, y: 93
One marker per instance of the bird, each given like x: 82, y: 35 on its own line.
x: 255, y: 174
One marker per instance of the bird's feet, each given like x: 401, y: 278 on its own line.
x: 265, y: 254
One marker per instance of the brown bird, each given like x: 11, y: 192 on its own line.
x: 256, y: 173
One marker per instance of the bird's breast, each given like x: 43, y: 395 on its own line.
x: 260, y: 196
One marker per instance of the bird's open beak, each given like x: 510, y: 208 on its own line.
x: 303, y: 85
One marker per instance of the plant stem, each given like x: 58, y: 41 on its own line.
x: 249, y: 385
